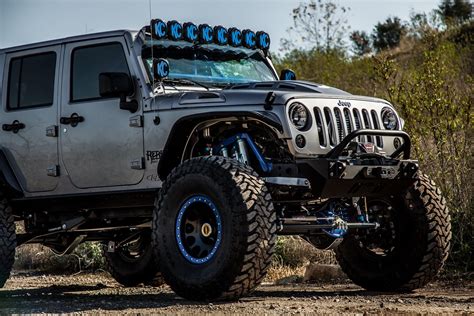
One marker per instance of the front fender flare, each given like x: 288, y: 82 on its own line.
x: 183, y: 127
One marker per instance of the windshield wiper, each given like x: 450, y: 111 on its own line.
x: 186, y: 81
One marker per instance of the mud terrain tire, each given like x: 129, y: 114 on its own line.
x: 7, y: 240
x: 248, y: 229
x: 423, y: 226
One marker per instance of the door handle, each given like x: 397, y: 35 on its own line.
x: 14, y: 127
x: 73, y: 120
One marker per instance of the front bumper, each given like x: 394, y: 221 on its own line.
x: 339, y: 178
x: 335, y: 176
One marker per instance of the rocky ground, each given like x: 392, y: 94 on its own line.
x: 98, y: 293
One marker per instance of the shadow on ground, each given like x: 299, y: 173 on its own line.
x: 80, y: 298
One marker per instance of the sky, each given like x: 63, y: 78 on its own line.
x: 28, y: 21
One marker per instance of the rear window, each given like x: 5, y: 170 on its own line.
x: 31, y: 81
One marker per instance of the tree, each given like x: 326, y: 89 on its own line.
x: 455, y: 11
x: 387, y: 34
x: 360, y: 43
x: 423, y: 24
x: 319, y: 24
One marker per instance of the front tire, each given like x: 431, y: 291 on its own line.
x: 7, y: 240
x: 214, y: 229
x: 409, y: 249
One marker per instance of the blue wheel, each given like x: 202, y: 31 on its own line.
x: 198, y: 229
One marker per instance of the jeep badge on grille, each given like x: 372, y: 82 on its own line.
x: 344, y: 103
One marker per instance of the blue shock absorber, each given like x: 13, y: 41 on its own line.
x: 264, y: 164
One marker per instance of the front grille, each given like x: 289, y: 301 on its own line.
x: 334, y: 125
x: 340, y: 128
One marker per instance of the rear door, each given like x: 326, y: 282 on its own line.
x: 103, y: 148
x: 29, y: 116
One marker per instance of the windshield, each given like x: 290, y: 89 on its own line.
x: 209, y: 64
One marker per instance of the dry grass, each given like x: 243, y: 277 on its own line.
x: 32, y: 257
x: 280, y: 274
x: 293, y: 251
x: 87, y: 256
x: 292, y: 256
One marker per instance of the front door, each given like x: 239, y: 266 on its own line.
x: 99, y: 145
x: 29, y: 114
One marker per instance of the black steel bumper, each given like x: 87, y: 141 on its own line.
x: 366, y: 175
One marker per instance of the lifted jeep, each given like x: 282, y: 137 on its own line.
x: 180, y: 149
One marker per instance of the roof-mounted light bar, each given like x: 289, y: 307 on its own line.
x: 205, y: 34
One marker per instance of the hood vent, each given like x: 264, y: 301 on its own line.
x: 287, y: 85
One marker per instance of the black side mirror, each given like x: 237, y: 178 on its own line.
x: 287, y: 74
x: 118, y: 84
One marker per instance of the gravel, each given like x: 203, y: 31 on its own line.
x: 98, y: 293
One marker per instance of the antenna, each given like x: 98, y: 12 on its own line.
x: 151, y: 38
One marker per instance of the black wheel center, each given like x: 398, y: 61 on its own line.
x: 380, y: 241
x: 198, y: 229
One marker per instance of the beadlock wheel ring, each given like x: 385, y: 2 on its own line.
x: 198, y: 229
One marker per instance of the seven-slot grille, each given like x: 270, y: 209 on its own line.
x: 334, y: 124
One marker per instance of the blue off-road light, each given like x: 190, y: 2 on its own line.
x: 234, y: 36
x: 220, y: 35
x: 249, y: 39
x: 161, y: 68
x: 263, y: 40
x: 190, y: 32
x: 158, y: 29
x: 175, y: 30
x: 205, y: 34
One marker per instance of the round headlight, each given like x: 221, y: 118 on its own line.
x: 299, y: 116
x: 389, y: 119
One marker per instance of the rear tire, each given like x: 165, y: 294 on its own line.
x: 214, y: 229
x: 421, y: 228
x: 7, y: 240
x: 133, y: 266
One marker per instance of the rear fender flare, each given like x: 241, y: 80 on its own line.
x: 8, y: 179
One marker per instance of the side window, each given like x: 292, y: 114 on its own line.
x: 31, y: 81
x: 88, y: 63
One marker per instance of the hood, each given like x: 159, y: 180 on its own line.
x: 254, y: 93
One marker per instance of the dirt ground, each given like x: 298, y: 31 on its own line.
x: 98, y: 293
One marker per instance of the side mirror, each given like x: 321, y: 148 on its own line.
x: 118, y: 84
x: 287, y: 74
x: 161, y: 68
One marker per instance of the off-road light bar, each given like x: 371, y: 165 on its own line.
x: 205, y: 34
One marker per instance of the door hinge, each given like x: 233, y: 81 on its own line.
x: 136, y: 121
x: 53, y: 171
x: 52, y: 131
x: 138, y: 164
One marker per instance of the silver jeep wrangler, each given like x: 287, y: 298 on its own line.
x: 181, y: 150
